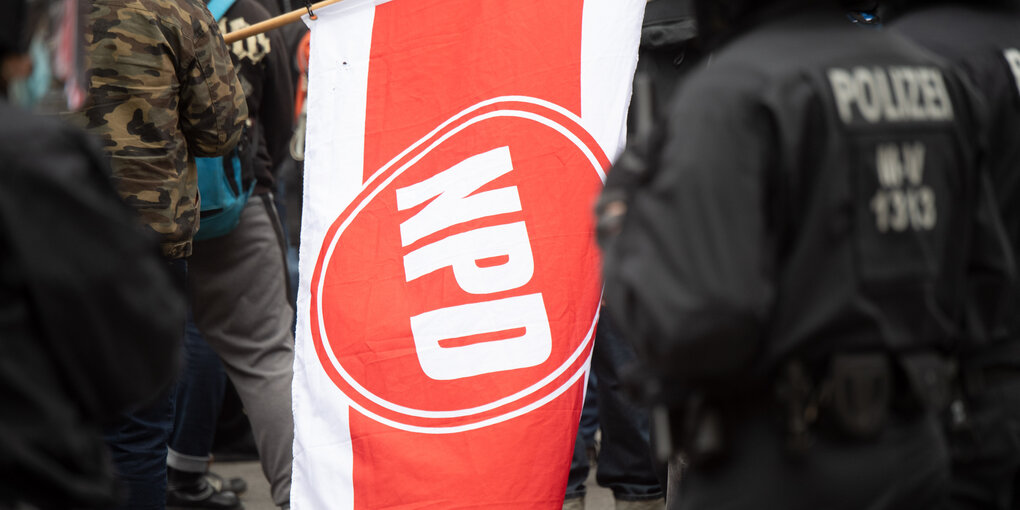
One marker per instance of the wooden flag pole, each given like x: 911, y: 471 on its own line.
x: 277, y: 22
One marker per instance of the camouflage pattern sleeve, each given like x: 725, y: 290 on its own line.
x: 213, y: 108
x: 161, y: 90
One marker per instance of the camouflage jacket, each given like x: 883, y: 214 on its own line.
x: 162, y: 90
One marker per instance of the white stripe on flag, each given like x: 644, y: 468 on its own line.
x: 608, y: 42
x: 334, y: 160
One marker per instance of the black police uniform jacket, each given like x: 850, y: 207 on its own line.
x: 815, y: 192
x: 984, y: 43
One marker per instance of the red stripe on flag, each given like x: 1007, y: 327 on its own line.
x: 433, y: 58
x: 430, y: 60
x: 516, y: 465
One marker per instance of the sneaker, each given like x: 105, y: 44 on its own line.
x: 191, y: 490
x: 235, y: 484
x: 573, y: 504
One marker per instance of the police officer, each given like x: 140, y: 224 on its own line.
x: 982, y: 39
x: 791, y: 261
x: 161, y: 90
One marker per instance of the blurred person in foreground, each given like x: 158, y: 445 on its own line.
x: 791, y: 259
x: 625, y: 463
x: 982, y: 39
x: 79, y: 279
x: 161, y: 90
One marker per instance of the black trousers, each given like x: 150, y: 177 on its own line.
x: 905, y: 468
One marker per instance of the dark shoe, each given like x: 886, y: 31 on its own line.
x: 650, y: 504
x: 574, y: 503
x: 235, y: 484
x: 191, y: 490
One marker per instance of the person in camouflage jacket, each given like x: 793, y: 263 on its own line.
x: 162, y: 90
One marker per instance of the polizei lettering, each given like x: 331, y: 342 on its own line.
x: 468, y: 340
x: 890, y: 94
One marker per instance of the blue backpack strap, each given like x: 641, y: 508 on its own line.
x: 219, y: 7
x: 222, y: 193
x: 221, y: 204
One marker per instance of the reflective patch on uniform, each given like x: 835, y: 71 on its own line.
x: 903, y: 207
x: 903, y: 201
x: 890, y: 94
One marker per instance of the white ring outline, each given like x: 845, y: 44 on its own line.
x: 368, y: 199
x: 481, y: 424
x: 534, y: 388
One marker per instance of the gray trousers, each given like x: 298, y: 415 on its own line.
x: 238, y: 285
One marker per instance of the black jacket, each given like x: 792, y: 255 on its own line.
x: 262, y: 66
x: 90, y: 320
x: 667, y: 49
x: 792, y: 211
x: 984, y: 43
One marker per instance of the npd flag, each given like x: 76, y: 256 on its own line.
x: 449, y: 276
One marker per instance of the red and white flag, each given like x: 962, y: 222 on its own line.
x: 449, y: 275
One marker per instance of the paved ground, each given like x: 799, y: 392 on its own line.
x: 257, y: 497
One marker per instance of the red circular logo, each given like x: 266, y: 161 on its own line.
x: 460, y: 288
